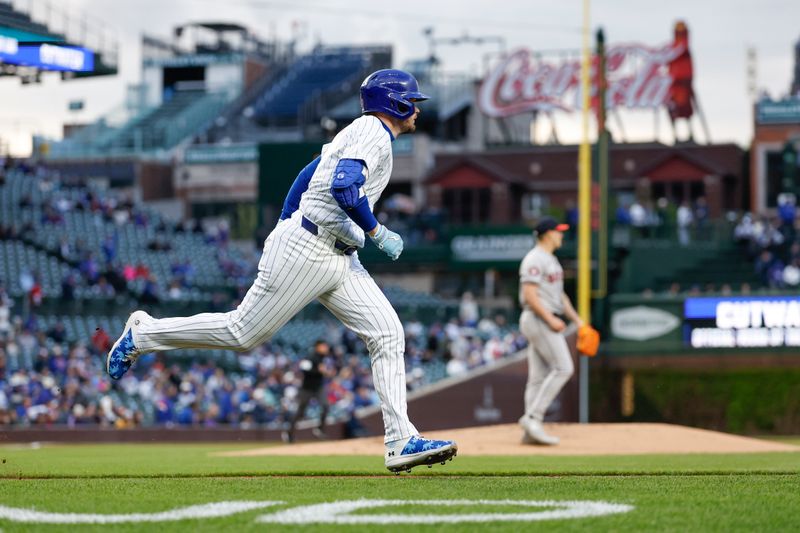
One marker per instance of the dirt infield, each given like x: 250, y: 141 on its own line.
x: 576, y: 439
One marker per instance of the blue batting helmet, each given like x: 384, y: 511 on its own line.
x: 392, y: 92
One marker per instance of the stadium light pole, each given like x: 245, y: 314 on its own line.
x: 585, y: 213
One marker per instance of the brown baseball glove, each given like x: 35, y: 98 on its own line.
x: 588, y: 340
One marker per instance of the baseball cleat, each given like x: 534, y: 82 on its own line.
x: 124, y: 352
x: 535, y: 432
x: 416, y: 451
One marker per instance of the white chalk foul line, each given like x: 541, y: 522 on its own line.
x: 338, y: 512
x: 206, y: 510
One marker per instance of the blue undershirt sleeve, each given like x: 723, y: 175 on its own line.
x: 346, y: 190
x: 300, y: 185
x: 362, y: 215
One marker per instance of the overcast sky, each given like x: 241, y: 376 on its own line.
x: 720, y: 33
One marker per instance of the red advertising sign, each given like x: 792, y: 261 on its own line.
x: 637, y: 77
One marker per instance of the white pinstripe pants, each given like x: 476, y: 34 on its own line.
x: 296, y: 268
x: 549, y: 364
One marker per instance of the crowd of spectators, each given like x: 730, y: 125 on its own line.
x: 663, y: 219
x: 773, y: 244
x: 97, y: 270
x: 45, y: 379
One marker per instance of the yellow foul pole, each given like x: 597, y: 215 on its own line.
x: 585, y: 213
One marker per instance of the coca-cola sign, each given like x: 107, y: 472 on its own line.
x: 637, y: 77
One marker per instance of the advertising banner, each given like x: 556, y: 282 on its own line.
x: 642, y: 323
x: 49, y: 57
x: 637, y: 76
x: 778, y: 112
x: 8, y: 45
x: 742, y: 322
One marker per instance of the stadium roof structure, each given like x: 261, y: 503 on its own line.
x: 531, y: 164
x: 471, y: 170
x: 28, y: 37
x: 20, y: 26
x: 680, y: 164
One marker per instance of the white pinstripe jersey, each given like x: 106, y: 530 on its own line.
x: 366, y: 139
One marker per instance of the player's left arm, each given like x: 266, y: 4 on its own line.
x: 569, y: 310
x: 346, y: 189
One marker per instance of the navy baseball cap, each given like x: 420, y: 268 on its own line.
x: 549, y: 224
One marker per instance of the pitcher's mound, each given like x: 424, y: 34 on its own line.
x: 576, y: 439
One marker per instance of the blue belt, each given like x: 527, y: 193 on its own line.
x: 346, y: 249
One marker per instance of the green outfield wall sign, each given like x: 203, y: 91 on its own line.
x: 210, y: 154
x: 483, y: 248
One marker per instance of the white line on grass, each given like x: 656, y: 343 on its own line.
x: 338, y: 512
x: 206, y: 510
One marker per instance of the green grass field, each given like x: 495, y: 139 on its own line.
x: 744, y: 492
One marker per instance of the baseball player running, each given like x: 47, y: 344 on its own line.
x: 541, y: 294
x: 312, y: 255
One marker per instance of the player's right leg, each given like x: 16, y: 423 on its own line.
x: 361, y: 306
x: 294, y: 269
x: 537, y: 370
x: 552, y: 350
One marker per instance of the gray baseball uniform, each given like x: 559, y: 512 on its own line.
x: 299, y: 265
x: 549, y: 360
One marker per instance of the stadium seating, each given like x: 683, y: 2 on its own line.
x: 309, y: 76
x: 156, y: 129
x: 150, y: 131
x: 18, y: 258
x: 87, y: 229
x: 725, y: 267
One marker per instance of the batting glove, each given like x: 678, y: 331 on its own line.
x: 388, y: 241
